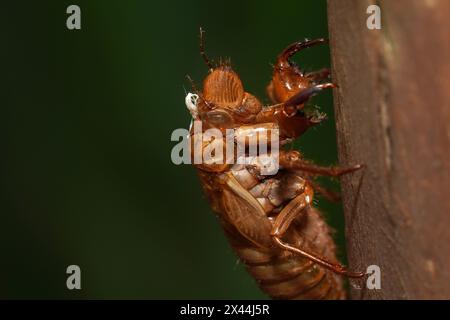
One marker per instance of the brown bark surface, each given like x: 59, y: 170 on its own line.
x: 393, y: 115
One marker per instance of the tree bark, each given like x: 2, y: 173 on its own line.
x: 393, y: 115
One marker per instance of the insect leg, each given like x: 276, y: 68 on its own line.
x: 295, y: 47
x: 253, y: 135
x: 291, y: 160
x: 245, y: 213
x: 318, y: 75
x: 293, y: 210
x: 330, y: 195
x: 304, y: 95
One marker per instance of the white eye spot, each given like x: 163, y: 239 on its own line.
x: 308, y: 199
x: 191, y: 103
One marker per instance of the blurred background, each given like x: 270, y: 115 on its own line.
x: 85, y: 131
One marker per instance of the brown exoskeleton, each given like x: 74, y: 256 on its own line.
x: 269, y: 219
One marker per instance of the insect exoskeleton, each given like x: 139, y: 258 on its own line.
x: 268, y: 215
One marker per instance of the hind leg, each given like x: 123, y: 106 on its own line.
x: 291, y: 160
x: 292, y: 211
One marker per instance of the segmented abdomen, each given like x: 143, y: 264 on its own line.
x: 283, y: 275
x: 279, y: 273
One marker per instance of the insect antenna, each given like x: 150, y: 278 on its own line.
x: 197, y: 91
x: 202, y: 50
x: 193, y: 85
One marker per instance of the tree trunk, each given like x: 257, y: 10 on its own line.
x: 393, y: 115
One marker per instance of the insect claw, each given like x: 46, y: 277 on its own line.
x: 350, y: 274
x: 326, y: 85
x: 357, y: 274
x: 296, y: 47
x: 303, y: 96
x: 356, y: 167
x: 318, y: 75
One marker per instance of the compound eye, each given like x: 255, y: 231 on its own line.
x: 219, y: 118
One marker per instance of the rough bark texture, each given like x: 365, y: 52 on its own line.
x: 393, y: 114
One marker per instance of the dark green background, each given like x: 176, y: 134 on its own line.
x: 85, y: 128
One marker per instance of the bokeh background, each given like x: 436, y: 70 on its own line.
x: 85, y: 128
